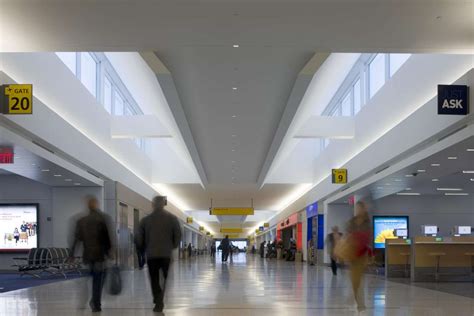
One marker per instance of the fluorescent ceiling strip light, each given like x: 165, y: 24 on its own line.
x: 470, y: 149
x: 435, y: 165
x: 408, y: 193
x: 452, y: 158
x: 468, y: 171
x: 456, y: 194
x: 448, y: 189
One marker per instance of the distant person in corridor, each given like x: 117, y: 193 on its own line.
x: 93, y: 232
x: 262, y: 249
x: 225, y: 246
x: 331, y: 241
x: 158, y: 234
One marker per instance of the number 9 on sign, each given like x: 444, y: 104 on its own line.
x: 339, y: 176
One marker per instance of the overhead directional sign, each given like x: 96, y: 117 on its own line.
x: 231, y: 230
x: 17, y: 99
x: 339, y: 176
x: 201, y: 228
x: 231, y: 211
x: 189, y: 220
x: 266, y: 225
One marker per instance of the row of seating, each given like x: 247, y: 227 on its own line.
x: 48, y: 260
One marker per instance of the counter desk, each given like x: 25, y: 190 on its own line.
x: 442, y: 259
x: 397, y: 258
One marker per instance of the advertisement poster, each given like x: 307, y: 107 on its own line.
x: 385, y: 226
x: 18, y: 227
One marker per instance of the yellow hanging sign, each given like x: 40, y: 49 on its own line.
x: 231, y: 211
x: 339, y: 176
x: 231, y: 230
x: 18, y: 99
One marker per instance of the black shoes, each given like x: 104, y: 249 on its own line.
x: 94, y: 308
x: 158, y: 308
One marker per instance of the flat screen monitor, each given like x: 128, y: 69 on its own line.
x: 18, y: 227
x: 463, y: 230
x: 385, y: 228
x: 401, y: 232
x: 430, y: 230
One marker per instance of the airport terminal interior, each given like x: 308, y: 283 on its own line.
x: 286, y: 157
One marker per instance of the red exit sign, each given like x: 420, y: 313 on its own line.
x: 6, y: 155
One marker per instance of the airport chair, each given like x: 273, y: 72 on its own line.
x: 28, y: 264
x: 437, y: 256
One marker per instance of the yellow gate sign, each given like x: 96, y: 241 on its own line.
x: 18, y: 98
x: 189, y: 220
x: 339, y: 176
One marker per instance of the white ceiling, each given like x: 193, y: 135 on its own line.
x: 34, y: 167
x: 194, y: 40
x: 449, y: 174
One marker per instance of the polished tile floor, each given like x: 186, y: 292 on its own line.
x: 246, y: 286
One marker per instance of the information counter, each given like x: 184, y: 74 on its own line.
x: 397, y: 258
x: 442, y: 259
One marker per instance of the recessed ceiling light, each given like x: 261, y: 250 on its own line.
x: 472, y: 179
x: 435, y: 165
x: 457, y: 194
x: 236, y: 46
x: 234, y: 116
x: 58, y: 175
x: 234, y: 135
x: 435, y: 180
x: 408, y: 193
x: 468, y: 171
x: 421, y: 170
x: 409, y: 175
x: 470, y: 149
x: 45, y: 170
x: 398, y: 180
x: 408, y: 189
x: 234, y: 88
x: 68, y: 180
x: 77, y: 183
x: 33, y: 164
x: 387, y: 184
x: 448, y: 189
x: 233, y: 161
x: 452, y: 158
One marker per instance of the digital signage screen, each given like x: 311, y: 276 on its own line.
x: 18, y: 227
x: 385, y: 227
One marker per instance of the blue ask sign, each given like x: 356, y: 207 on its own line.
x: 453, y: 99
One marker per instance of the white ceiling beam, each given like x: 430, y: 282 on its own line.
x: 137, y: 126
x: 340, y: 127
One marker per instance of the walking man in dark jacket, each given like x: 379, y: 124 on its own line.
x: 225, y: 246
x: 93, y: 232
x: 159, y: 233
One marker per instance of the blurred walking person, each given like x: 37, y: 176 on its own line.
x: 225, y: 246
x: 93, y: 232
x: 332, y: 240
x: 358, y: 230
x: 158, y: 234
x: 262, y: 249
x: 213, y: 250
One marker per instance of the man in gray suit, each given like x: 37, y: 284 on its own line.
x: 159, y: 233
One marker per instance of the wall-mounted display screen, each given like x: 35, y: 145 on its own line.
x: 18, y: 227
x: 385, y: 227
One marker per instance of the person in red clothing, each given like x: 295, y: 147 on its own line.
x: 358, y: 230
